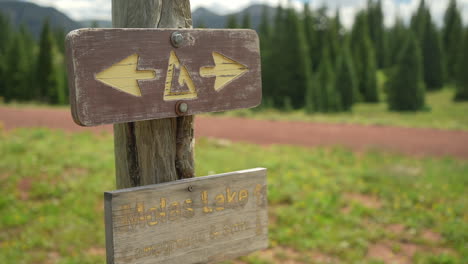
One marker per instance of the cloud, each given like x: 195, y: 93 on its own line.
x: 101, y: 9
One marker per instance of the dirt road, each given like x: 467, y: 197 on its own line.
x: 419, y: 142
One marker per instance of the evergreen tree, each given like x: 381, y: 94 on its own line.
x: 29, y: 53
x: 5, y: 30
x: 46, y: 75
x: 246, y: 20
x: 328, y: 95
x: 397, y: 35
x: 311, y: 35
x: 16, y: 73
x: 432, y: 57
x: 364, y: 59
x: 59, y: 37
x: 334, y: 38
x: 277, y: 79
x: 232, y: 21
x: 419, y: 19
x: 265, y: 48
x: 295, y: 79
x: 377, y: 30
x: 321, y: 24
x: 406, y: 85
x: 346, y: 84
x: 452, y: 39
x: 462, y: 77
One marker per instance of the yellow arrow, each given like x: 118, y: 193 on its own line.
x: 124, y: 75
x: 225, y: 71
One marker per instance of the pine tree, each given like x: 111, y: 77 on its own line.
x: 346, y: 84
x: 432, y: 57
x: 406, y: 85
x: 246, y: 20
x: 265, y: 50
x: 334, y: 38
x: 5, y: 30
x: 462, y: 76
x: 46, y: 75
x: 292, y: 81
x: 29, y: 52
x: 277, y: 80
x: 396, y: 36
x: 329, y: 97
x: 311, y: 35
x: 364, y: 59
x: 16, y: 74
x: 377, y: 30
x: 232, y: 21
x: 452, y: 39
x: 419, y: 19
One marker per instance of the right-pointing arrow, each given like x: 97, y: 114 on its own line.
x: 225, y: 70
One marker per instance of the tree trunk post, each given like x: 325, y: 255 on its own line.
x: 154, y: 151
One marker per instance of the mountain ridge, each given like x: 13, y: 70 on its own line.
x: 33, y: 15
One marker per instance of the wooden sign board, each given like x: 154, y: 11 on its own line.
x: 199, y: 220
x: 124, y: 75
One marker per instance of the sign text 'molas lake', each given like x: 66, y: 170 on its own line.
x: 203, y: 219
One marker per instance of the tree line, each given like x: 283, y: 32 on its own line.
x: 32, y: 70
x: 310, y: 61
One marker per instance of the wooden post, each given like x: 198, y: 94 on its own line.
x: 155, y: 151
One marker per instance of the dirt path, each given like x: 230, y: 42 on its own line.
x: 420, y: 142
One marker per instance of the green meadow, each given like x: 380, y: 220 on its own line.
x: 327, y: 205
x: 441, y: 113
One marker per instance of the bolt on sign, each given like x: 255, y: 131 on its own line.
x: 198, y: 220
x: 124, y: 75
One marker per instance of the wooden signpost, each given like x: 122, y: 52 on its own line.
x: 122, y: 75
x: 160, y: 78
x: 197, y: 220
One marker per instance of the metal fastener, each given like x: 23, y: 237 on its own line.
x: 181, y: 108
x: 190, y: 188
x: 177, y: 39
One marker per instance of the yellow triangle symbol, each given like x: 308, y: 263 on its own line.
x: 183, y: 80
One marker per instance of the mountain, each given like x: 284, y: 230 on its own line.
x: 99, y: 23
x: 203, y: 16
x: 33, y: 16
x: 208, y: 18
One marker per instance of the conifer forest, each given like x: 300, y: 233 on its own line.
x: 310, y: 60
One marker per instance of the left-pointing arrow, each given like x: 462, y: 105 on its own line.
x: 124, y: 75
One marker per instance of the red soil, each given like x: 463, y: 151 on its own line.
x: 414, y: 141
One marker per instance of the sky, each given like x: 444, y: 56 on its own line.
x: 101, y: 9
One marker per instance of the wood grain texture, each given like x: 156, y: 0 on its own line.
x: 213, y: 70
x: 199, y: 220
x: 155, y: 151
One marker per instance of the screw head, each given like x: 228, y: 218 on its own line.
x: 183, y: 107
x: 177, y: 39
x: 190, y: 188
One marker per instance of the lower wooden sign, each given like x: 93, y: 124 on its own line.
x: 200, y: 220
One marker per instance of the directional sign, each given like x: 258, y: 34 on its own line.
x: 198, y: 220
x: 124, y: 75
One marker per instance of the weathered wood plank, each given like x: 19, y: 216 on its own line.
x: 199, y: 220
x: 123, y: 75
x: 155, y: 151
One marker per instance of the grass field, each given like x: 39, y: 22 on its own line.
x: 442, y: 113
x: 326, y: 205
